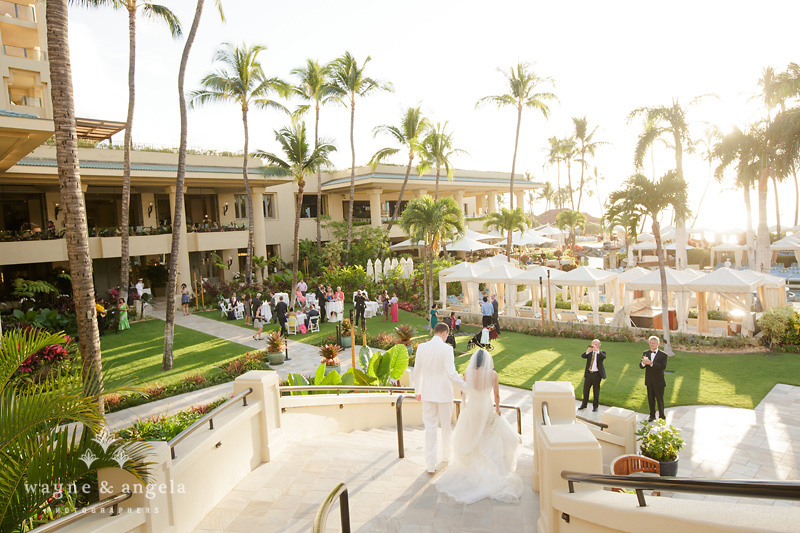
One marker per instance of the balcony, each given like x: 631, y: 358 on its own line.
x: 17, y: 11
x: 24, y: 53
x: 27, y: 101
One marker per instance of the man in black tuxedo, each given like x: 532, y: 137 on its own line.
x: 361, y: 306
x: 654, y: 361
x: 321, y: 302
x: 281, y: 311
x: 594, y: 372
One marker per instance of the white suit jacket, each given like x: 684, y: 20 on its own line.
x: 434, y: 372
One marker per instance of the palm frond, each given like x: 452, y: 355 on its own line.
x: 159, y: 12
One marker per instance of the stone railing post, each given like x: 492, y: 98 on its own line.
x: 560, y: 398
x: 622, y: 423
x: 265, y: 390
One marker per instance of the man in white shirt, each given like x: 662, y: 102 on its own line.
x: 434, y: 372
x: 594, y: 372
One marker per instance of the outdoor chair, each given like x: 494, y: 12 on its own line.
x: 313, y: 324
x: 238, y: 312
x: 291, y: 325
x: 631, y: 464
x: 223, y: 309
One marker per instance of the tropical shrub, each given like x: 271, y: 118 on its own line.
x: 349, y: 278
x: 659, y: 441
x: 606, y: 308
x: 275, y: 342
x: 382, y: 341
x: 713, y: 314
x: 164, y: 428
x: 404, y: 334
x: 780, y: 326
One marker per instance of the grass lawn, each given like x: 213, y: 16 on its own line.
x: 137, y: 353
x: 692, y: 379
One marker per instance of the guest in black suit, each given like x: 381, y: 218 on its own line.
x: 595, y: 372
x: 654, y: 361
x: 361, y: 306
x: 496, y: 314
x: 311, y: 314
x: 321, y: 296
x: 281, y: 311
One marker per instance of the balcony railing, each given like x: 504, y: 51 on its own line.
x: 25, y: 53
x: 29, y: 101
x: 17, y: 11
x: 211, y: 228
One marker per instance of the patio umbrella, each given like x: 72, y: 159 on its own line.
x: 547, y: 229
x: 468, y: 244
x: 407, y: 244
x: 476, y: 235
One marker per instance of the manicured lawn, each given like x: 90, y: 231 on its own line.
x: 138, y: 351
x: 731, y: 379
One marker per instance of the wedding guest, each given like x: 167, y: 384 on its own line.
x: 185, y: 297
x: 122, y: 309
x: 394, y: 306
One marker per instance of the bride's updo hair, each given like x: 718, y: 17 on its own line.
x: 479, y: 355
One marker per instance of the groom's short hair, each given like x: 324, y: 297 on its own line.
x: 441, y: 327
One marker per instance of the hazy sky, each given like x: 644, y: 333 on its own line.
x: 605, y: 58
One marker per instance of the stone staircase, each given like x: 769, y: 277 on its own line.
x: 387, y: 494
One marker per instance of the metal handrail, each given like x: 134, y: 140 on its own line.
x: 344, y: 510
x: 207, y: 418
x: 545, y: 414
x: 398, y: 406
x: 592, y: 422
x: 111, y: 501
x: 748, y: 488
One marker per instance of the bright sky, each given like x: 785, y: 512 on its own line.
x: 606, y: 58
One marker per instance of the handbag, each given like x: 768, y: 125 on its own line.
x: 302, y: 328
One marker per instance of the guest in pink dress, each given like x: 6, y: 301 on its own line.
x: 394, y: 308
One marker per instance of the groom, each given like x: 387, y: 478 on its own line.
x: 434, y: 371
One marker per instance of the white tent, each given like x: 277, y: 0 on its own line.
x: 468, y: 244
x: 737, y: 249
x: 547, y: 229
x: 735, y: 287
x: 503, y: 275
x: 673, y: 246
x: 592, y: 278
x: 496, y: 260
x: 469, y: 274
x: 644, y: 245
x: 495, y: 235
x: 624, y: 300
x: 645, y: 237
x: 532, y: 278
x: 408, y: 244
x: 527, y: 239
x: 676, y: 284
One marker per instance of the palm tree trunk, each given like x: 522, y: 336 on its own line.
x: 777, y: 205
x: 172, y: 280
x: 681, y: 257
x: 508, y: 244
x: 751, y: 262
x: 76, y: 228
x: 125, y: 264
x: 796, y: 195
x: 583, y: 165
x: 425, y: 274
x: 514, y: 159
x: 664, y: 298
x: 396, y: 212
x: 763, y: 254
x: 319, y: 185
x: 569, y: 184
x: 352, y: 171
x: 301, y: 185
x: 248, y: 264
x: 438, y: 171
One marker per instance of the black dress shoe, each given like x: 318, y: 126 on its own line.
x: 651, y: 419
x: 581, y: 408
x: 594, y: 410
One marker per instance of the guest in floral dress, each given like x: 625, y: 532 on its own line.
x: 123, y: 315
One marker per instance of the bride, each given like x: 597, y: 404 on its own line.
x: 484, y: 443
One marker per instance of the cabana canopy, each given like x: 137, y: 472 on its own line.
x: 737, y: 249
x: 463, y: 272
x: 547, y: 229
x: 496, y: 260
x: 676, y: 280
x: 587, y: 277
x: 726, y: 280
x: 407, y: 244
x: 645, y: 237
x: 477, y: 236
x: 468, y: 244
x: 632, y: 274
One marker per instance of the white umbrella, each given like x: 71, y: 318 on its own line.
x: 645, y: 237
x: 370, y: 270
x: 468, y: 244
x: 387, y: 267
x: 378, y: 270
x: 495, y: 235
x: 547, y: 229
x: 477, y: 236
x: 407, y: 244
x: 409, y: 268
x: 394, y: 263
x: 494, y: 261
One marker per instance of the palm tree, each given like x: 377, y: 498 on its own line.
x: 72, y: 200
x: 572, y: 220
x: 299, y: 160
x: 409, y: 134
x: 546, y: 193
x: 242, y: 80
x: 41, y: 426
x: 671, y: 122
x: 177, y: 218
x: 154, y: 11
x: 784, y: 133
x: 569, y: 151
x: 523, y: 85
x: 436, y: 151
x: 508, y: 221
x: 351, y: 82
x: 587, y: 146
x: 555, y: 155
x: 712, y: 135
x: 643, y: 197
x: 432, y: 222
x: 315, y: 86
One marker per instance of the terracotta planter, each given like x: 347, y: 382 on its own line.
x: 669, y: 468
x: 275, y: 358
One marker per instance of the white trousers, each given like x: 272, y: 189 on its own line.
x: 433, y: 415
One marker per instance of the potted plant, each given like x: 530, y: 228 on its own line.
x: 276, y: 348
x: 404, y: 334
x: 346, y: 327
x: 330, y: 356
x: 662, y: 442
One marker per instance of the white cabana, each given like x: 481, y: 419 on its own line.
x: 532, y: 278
x: 737, y: 249
x: 644, y: 245
x: 527, y: 239
x: 495, y: 235
x: 676, y: 284
x: 503, y: 275
x: 673, y: 246
x: 592, y: 278
x: 624, y: 300
x: 469, y: 274
x: 468, y: 244
x: 496, y: 260
x: 790, y: 243
x: 645, y: 237
x: 735, y: 287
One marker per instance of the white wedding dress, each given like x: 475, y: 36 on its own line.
x: 484, y: 444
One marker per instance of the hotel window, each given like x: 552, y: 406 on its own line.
x: 240, y: 205
x: 269, y: 206
x: 309, y: 208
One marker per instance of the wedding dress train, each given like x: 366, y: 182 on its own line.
x: 484, y: 443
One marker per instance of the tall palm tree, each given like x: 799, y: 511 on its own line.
x: 643, y: 197
x: 177, y: 218
x: 670, y: 121
x: 784, y: 134
x: 242, y: 80
x: 72, y: 200
x: 569, y: 151
x: 546, y: 193
x: 508, y: 221
x: 586, y: 145
x: 522, y: 84
x: 409, y: 135
x: 351, y: 82
x: 315, y: 86
x: 40, y: 432
x: 709, y: 140
x: 432, y: 222
x: 555, y: 155
x: 436, y: 151
x: 572, y: 220
x: 298, y: 160
x: 154, y: 11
